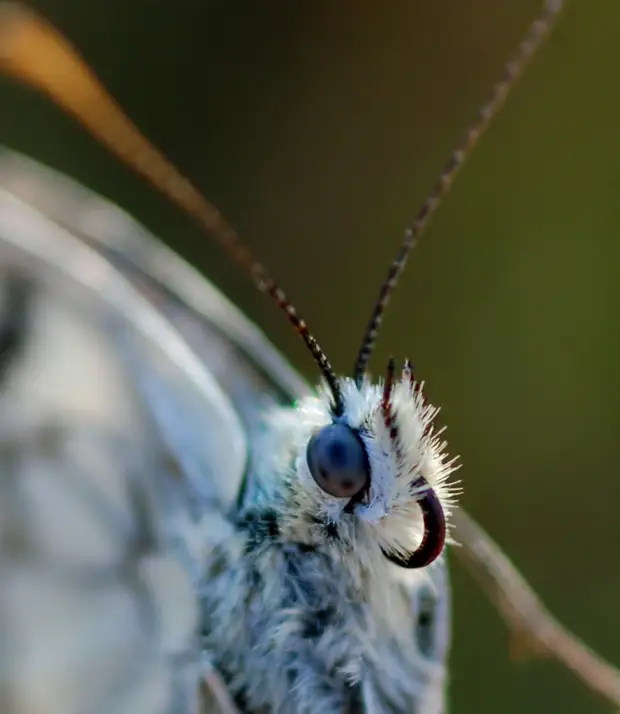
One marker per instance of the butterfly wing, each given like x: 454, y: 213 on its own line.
x: 118, y: 454
x: 232, y: 350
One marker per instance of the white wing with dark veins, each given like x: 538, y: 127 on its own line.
x: 118, y: 455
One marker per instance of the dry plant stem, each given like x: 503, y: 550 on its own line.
x: 525, y: 615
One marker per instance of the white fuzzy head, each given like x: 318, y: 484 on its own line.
x: 404, y: 461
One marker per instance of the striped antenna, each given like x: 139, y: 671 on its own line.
x: 33, y: 51
x: 539, y: 29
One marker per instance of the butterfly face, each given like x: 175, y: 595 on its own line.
x: 375, y: 475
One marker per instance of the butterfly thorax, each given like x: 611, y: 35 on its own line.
x: 294, y: 631
x: 303, y: 612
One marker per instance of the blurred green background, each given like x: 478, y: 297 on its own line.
x: 318, y: 128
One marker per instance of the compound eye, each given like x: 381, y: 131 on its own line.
x: 338, y: 461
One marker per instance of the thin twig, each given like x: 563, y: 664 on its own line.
x: 526, y: 616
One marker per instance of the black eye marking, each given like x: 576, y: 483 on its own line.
x: 338, y: 461
x: 259, y: 526
x: 425, y: 621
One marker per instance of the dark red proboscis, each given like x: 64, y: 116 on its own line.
x: 434, y: 537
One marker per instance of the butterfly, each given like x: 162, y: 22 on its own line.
x: 186, y: 525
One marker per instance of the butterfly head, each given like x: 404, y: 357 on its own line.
x: 371, y: 469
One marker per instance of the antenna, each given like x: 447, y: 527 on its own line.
x: 539, y: 30
x: 33, y: 51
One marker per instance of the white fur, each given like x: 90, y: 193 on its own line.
x: 264, y: 594
x: 422, y: 454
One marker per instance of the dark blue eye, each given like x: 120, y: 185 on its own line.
x: 338, y: 461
